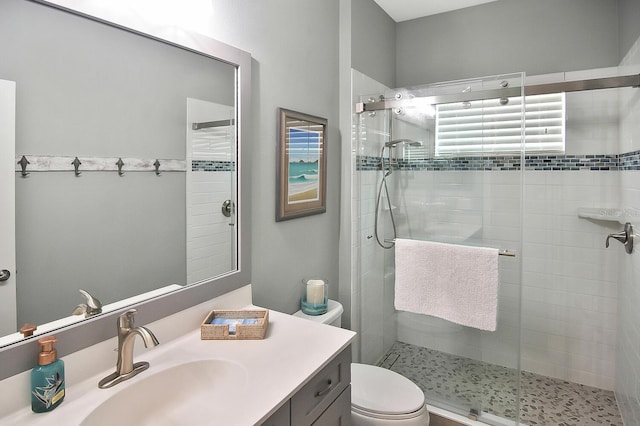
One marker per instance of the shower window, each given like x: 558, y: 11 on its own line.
x: 495, y: 126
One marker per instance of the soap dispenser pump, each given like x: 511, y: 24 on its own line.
x: 47, y: 379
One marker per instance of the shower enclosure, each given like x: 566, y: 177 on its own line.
x: 447, y: 163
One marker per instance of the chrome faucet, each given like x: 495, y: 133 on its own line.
x: 125, y: 367
x: 92, y: 307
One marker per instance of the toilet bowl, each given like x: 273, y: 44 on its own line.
x: 378, y: 396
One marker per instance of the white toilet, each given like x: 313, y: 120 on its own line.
x: 378, y: 396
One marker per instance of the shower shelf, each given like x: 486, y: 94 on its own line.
x: 608, y: 214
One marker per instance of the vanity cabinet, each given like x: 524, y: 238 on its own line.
x: 324, y: 400
x: 282, y: 417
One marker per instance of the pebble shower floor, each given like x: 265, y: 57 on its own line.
x: 460, y: 381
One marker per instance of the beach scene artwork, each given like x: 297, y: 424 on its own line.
x: 304, y: 159
x: 301, y: 173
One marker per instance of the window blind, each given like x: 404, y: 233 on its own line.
x: 487, y: 127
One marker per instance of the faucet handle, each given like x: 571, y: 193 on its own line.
x: 92, y: 307
x: 92, y: 302
x: 127, y: 319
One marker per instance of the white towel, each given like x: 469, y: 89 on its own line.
x: 454, y: 282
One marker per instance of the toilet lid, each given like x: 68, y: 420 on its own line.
x: 378, y: 390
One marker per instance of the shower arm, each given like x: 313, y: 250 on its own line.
x: 394, y: 144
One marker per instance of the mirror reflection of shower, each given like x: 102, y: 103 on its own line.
x: 387, y: 169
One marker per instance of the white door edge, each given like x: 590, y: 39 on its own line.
x: 8, y: 312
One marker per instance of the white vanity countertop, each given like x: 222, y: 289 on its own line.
x: 276, y: 367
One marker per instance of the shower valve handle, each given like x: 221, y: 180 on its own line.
x: 625, y: 237
x: 620, y: 236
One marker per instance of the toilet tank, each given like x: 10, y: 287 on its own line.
x: 333, y: 316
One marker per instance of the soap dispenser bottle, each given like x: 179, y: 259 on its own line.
x: 47, y: 379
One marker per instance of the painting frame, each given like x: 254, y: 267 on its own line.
x: 301, y: 171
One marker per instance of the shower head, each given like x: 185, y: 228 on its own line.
x: 400, y: 141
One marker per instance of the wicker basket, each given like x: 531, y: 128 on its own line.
x: 255, y: 331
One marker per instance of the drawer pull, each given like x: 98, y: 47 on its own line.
x: 326, y: 390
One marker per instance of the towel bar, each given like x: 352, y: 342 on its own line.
x: 505, y: 252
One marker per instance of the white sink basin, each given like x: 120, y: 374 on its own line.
x: 176, y: 395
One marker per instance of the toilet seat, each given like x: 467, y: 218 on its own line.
x: 380, y: 393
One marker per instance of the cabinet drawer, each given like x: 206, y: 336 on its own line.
x: 322, y: 390
x: 338, y: 413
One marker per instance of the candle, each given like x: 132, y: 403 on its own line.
x: 315, y: 292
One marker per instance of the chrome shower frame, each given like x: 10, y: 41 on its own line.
x: 632, y: 80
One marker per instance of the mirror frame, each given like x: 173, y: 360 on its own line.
x: 20, y: 356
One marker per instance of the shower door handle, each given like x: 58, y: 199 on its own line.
x: 625, y: 237
x: 228, y: 208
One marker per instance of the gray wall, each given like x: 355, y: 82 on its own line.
x: 373, y: 41
x: 294, y: 44
x: 534, y: 36
x: 94, y: 90
x: 629, y: 15
x: 124, y: 239
x: 87, y: 89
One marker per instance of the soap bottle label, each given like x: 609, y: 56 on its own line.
x: 50, y: 394
x: 47, y: 378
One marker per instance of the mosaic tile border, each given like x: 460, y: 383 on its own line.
x: 630, y: 160
x: 212, y: 166
x: 593, y: 162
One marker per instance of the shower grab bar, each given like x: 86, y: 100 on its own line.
x: 501, y: 252
x: 632, y: 80
x: 210, y: 124
x: 508, y: 253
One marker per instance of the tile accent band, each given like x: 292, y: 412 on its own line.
x: 212, y: 166
x: 552, y: 162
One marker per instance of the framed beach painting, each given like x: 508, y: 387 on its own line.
x: 302, y: 165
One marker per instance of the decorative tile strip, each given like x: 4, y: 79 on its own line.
x: 599, y: 162
x: 367, y: 162
x: 630, y: 160
x: 212, y: 166
x: 50, y: 163
x: 572, y: 162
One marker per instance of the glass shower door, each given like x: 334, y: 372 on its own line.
x: 461, y: 185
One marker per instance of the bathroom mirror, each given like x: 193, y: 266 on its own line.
x: 130, y: 133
